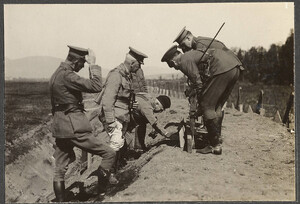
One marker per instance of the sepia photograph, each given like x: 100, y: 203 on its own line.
x: 149, y: 102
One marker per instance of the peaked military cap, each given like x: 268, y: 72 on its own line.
x: 169, y: 54
x: 182, y: 34
x: 78, y: 52
x: 139, y: 56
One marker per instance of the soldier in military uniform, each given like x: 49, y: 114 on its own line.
x: 70, y: 125
x: 213, y: 75
x: 143, y: 113
x: 187, y: 41
x: 115, y: 99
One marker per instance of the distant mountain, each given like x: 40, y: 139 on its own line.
x: 36, y: 67
x: 42, y: 67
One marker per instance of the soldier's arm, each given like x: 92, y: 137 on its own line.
x: 109, y: 97
x: 195, y: 77
x: 92, y: 85
x: 147, y: 111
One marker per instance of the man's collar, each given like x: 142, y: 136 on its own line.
x: 179, y: 59
x: 66, y: 65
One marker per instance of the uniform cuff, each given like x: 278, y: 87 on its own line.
x: 95, y: 70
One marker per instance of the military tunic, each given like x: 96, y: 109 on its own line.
x: 66, y: 89
x: 114, y: 104
x: 213, y: 77
x: 215, y: 62
x: 201, y: 43
x: 115, y: 97
x: 70, y: 125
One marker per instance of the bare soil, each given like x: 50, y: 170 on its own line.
x: 257, y: 164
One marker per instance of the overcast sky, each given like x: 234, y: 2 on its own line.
x: 46, y: 30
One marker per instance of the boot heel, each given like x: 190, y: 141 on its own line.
x: 217, y: 150
x: 59, y: 190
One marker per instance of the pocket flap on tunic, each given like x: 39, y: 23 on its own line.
x: 61, y: 126
x: 80, y: 122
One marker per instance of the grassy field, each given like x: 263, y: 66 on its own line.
x: 27, y: 105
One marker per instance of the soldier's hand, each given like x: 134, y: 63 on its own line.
x: 90, y: 58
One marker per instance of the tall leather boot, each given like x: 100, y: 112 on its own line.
x: 102, y: 185
x: 105, y: 177
x: 214, y: 130
x: 123, y: 157
x: 220, y: 121
x: 208, y: 148
x: 59, y: 190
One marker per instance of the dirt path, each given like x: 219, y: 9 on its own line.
x: 257, y: 163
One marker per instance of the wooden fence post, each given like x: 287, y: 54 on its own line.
x: 158, y: 85
x: 169, y: 90
x: 288, y: 109
x: 179, y: 89
x: 249, y: 109
x: 181, y: 136
x: 277, y: 117
x: 260, y: 106
x: 184, y: 85
x: 239, y: 104
x: 152, y: 82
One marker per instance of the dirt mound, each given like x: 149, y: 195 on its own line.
x: 258, y: 163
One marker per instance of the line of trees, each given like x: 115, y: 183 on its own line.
x: 273, y: 66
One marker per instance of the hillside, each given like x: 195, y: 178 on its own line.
x: 257, y: 164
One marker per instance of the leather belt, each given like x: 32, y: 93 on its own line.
x: 123, y: 99
x: 68, y: 108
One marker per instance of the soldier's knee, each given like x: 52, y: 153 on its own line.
x: 209, y: 114
x: 110, y: 153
